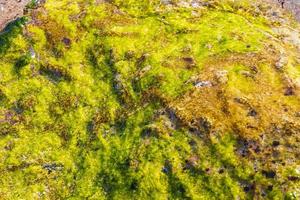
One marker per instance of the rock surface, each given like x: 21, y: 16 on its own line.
x: 11, y: 10
x: 291, y: 5
x: 294, y: 6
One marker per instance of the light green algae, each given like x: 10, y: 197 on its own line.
x: 98, y: 101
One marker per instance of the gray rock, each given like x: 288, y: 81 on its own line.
x: 11, y: 10
x: 291, y: 5
x: 195, y: 4
x: 202, y: 84
x: 32, y: 52
x: 50, y: 167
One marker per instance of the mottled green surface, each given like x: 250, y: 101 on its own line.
x: 98, y: 101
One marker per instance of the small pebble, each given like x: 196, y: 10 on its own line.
x: 202, y: 84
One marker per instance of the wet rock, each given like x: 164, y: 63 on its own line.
x: 66, y: 41
x: 252, y: 113
x: 269, y: 174
x: 50, y: 167
x: 202, y: 84
x: 167, y: 168
x: 32, y: 52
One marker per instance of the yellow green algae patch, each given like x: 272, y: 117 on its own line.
x: 149, y: 100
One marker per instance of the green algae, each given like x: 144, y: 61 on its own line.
x: 11, y: 30
x: 98, y: 102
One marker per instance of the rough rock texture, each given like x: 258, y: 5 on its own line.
x: 11, y: 10
x: 291, y: 5
x: 294, y: 6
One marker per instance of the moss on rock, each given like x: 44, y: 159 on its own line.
x: 150, y: 100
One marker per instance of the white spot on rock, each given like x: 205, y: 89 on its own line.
x: 202, y: 84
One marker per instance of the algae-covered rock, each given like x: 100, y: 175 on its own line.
x: 150, y: 100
